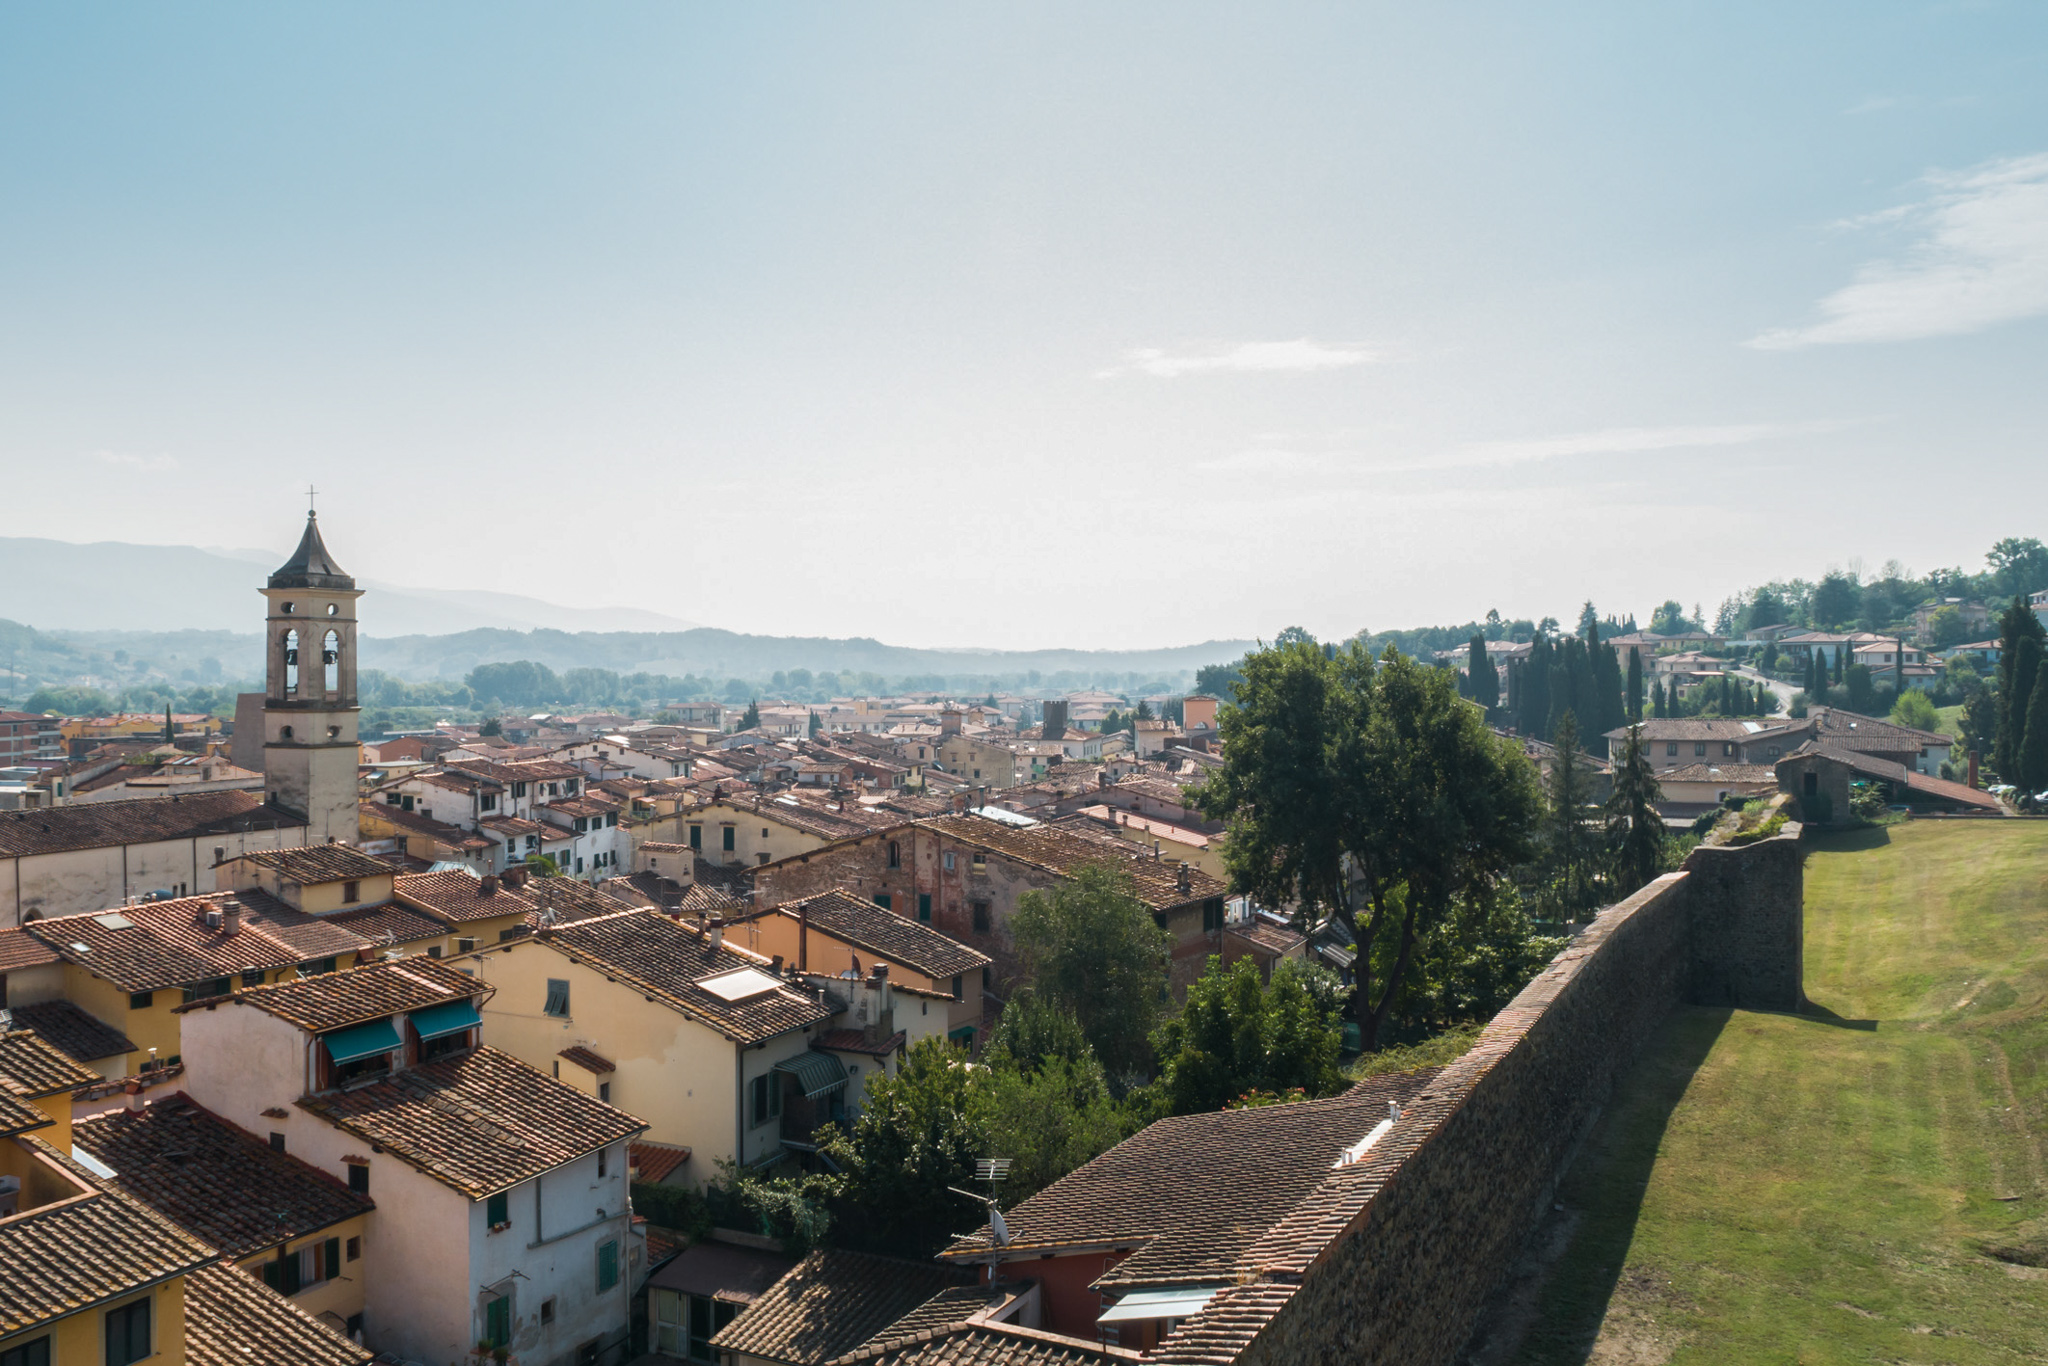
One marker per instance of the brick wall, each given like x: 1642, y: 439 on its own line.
x: 1393, y: 1258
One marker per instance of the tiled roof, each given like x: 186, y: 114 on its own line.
x: 570, y: 899
x: 703, y: 898
x: 1256, y: 1164
x: 18, y: 1116
x: 1847, y: 728
x: 655, y: 1161
x: 31, y: 1065
x: 391, y: 921
x: 830, y: 1303
x: 159, y: 944
x: 141, y: 820
x: 335, y: 1000
x: 19, y: 949
x: 84, y: 1251
x: 72, y: 1032
x: 459, y: 896
x: 233, y: 1319
x: 1720, y: 773
x: 311, y: 565
x: 223, y: 1184
x: 1061, y: 851
x: 1661, y: 728
x: 949, y: 1308
x: 454, y: 836
x: 856, y: 1041
x: 666, y: 960
x: 987, y: 1344
x: 587, y: 1060
x: 478, y: 1122
x: 318, y: 863
x: 894, y: 937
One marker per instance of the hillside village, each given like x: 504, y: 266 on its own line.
x: 325, y: 1046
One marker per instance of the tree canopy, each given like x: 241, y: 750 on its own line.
x: 1091, y: 948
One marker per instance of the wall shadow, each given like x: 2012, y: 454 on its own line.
x: 1603, y: 1191
x: 1820, y: 1014
x: 1850, y: 841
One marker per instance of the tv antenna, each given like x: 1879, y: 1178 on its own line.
x: 991, y: 1170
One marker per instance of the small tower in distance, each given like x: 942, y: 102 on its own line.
x: 310, y: 714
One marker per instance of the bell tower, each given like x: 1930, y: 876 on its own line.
x: 310, y: 715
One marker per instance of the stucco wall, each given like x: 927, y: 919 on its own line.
x: 84, y: 880
x: 1393, y: 1259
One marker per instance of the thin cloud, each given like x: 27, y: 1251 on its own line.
x: 1628, y: 440
x: 126, y: 460
x: 1980, y: 259
x: 1300, y: 354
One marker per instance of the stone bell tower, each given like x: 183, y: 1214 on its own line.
x: 309, y: 697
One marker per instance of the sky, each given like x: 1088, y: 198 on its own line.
x: 1029, y: 326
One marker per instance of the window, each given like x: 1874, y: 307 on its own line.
x: 979, y: 863
x: 128, y: 1333
x: 707, y: 1316
x: 353, y: 1327
x: 487, y: 801
x: 351, y: 891
x: 607, y: 1265
x: 697, y: 837
x: 200, y: 991
x: 558, y: 997
x: 767, y: 1099
x: 958, y: 993
x: 604, y: 1092
x: 1727, y: 750
x: 277, y: 1142
x: 946, y: 859
x: 728, y: 834
x: 1671, y: 749
x: 924, y: 906
x: 375, y: 1065
x: 547, y: 1310
x: 465, y: 946
x: 570, y: 787
x: 519, y: 789
x: 980, y: 912
x: 253, y: 977
x: 895, y: 854
x: 447, y: 1044
x: 355, y: 1249
x: 322, y: 965
x: 285, y: 734
x: 882, y: 900
x: 35, y: 1353
x: 498, y: 1210
x: 433, y: 950
x: 359, y: 1177
x: 611, y: 819
x: 140, y: 1000
x: 1699, y: 749
x: 1212, y: 914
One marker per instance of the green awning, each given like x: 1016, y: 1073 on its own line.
x: 450, y: 1017
x: 360, y: 1041
x: 818, y: 1073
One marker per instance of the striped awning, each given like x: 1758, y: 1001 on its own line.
x: 361, y: 1041
x: 818, y: 1074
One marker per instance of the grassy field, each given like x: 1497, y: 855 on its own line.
x: 1861, y: 1184
x: 1951, y: 720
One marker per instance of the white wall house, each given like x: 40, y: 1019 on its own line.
x: 502, y: 1200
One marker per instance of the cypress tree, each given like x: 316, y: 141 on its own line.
x: 2016, y: 709
x: 1657, y: 698
x: 1635, y: 685
x: 1635, y: 831
x: 2017, y: 626
x: 1569, y: 848
x: 1485, y: 680
x: 1532, y: 703
x: 2033, y: 765
x: 1842, y: 662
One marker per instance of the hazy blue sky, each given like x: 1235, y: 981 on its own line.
x: 1045, y: 324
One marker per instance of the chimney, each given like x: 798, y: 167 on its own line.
x: 488, y: 885
x: 1973, y: 768
x: 1184, y: 879
x: 775, y: 959
x: 717, y: 931
x: 231, y: 916
x: 132, y: 1088
x: 514, y: 877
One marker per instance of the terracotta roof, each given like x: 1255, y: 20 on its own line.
x: 18, y: 1116
x: 1870, y: 766
x: 19, y: 949
x: 478, y: 1122
x: 85, y: 1251
x: 159, y: 944
x: 1272, y: 938
x: 856, y: 1041
x: 233, y: 1319
x: 572, y: 900
x: 335, y: 1000
x: 655, y: 1161
x: 226, y: 1186
x: 1661, y: 728
x: 987, y: 1344
x: 668, y: 961
x: 459, y: 896
x: 722, y: 1271
x: 703, y: 897
x: 140, y: 820
x: 1061, y: 851
x: 1720, y: 773
x: 1847, y: 728
x: 894, y: 937
x: 587, y: 1060
x: 317, y: 863
x: 31, y: 1066
x: 72, y: 1032
x: 400, y: 924
x: 831, y: 1303
x: 1257, y: 1165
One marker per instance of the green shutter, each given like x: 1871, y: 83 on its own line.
x: 290, y: 1271
x: 498, y: 1321
x: 924, y: 906
x: 333, y: 1258
x: 607, y: 1266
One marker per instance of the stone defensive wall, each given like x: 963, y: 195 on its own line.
x: 1395, y: 1256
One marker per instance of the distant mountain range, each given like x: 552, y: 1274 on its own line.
x: 115, y: 586
x: 183, y: 604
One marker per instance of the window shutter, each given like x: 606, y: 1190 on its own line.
x: 289, y: 1270
x: 333, y: 1258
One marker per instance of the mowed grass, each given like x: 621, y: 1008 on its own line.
x: 1864, y: 1183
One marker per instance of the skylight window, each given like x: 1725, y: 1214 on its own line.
x: 114, y: 920
x: 743, y: 985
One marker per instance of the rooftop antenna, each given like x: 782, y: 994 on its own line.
x: 991, y: 1170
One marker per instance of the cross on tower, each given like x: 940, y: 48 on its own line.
x: 310, y: 491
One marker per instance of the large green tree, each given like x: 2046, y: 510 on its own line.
x: 1572, y: 853
x: 915, y: 1136
x: 2033, y: 756
x: 1091, y: 947
x: 1239, y: 1034
x: 2020, y: 639
x: 1635, y: 832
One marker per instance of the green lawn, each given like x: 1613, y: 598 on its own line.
x: 1831, y: 1188
x: 1951, y: 720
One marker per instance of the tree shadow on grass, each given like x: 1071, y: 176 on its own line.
x: 1850, y: 841
x: 1820, y: 1014
x: 1604, y: 1188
